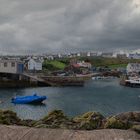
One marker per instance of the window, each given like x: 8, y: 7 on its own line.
x: 5, y: 64
x: 12, y: 64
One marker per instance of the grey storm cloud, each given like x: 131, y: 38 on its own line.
x: 42, y: 26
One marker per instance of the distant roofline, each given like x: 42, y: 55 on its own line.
x: 36, y: 60
x: 16, y: 61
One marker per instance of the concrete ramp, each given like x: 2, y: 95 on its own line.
x: 25, y: 133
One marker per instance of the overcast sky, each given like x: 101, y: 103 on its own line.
x: 43, y: 26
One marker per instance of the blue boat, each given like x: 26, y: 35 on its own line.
x: 34, y: 99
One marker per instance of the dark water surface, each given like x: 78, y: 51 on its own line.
x: 107, y: 97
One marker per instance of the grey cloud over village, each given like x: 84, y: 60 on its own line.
x: 41, y: 26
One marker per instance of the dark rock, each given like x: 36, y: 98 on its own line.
x: 114, y: 123
x: 9, y: 117
x: 136, y: 128
x: 123, y: 120
x: 54, y: 119
x: 29, y: 123
x: 129, y: 116
x: 89, y: 121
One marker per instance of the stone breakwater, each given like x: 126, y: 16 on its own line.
x: 87, y: 121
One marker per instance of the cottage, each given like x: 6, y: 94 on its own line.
x: 133, y: 68
x: 11, y: 66
x: 84, y: 64
x: 78, y: 54
x: 34, y: 64
x: 88, y: 54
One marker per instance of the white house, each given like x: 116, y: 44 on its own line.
x: 133, y: 67
x: 134, y: 56
x: 84, y: 64
x: 88, y: 54
x: 34, y: 64
x: 11, y: 66
x: 78, y: 54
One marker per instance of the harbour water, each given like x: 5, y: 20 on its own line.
x: 104, y: 96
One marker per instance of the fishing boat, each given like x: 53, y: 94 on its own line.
x: 34, y: 99
x: 131, y: 82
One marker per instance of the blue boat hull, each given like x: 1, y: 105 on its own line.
x: 29, y: 99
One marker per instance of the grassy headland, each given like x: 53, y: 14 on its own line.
x: 109, y: 62
x: 113, y: 63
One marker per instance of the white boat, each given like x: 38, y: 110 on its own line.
x: 102, y: 78
x: 133, y: 82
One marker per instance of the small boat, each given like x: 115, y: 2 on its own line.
x: 102, y: 78
x: 131, y: 82
x: 34, y: 99
x: 97, y: 78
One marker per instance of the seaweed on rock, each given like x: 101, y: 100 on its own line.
x: 86, y: 121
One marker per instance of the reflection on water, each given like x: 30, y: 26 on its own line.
x: 107, y: 97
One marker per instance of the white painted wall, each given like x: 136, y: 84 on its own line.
x: 33, y: 65
x: 133, y: 67
x: 9, y: 68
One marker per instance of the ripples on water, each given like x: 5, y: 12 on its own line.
x: 107, y: 97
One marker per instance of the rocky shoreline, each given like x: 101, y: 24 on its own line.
x: 86, y: 121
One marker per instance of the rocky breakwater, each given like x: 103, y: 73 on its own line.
x: 57, y: 119
x: 87, y: 121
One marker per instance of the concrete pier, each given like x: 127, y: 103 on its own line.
x: 25, y: 133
